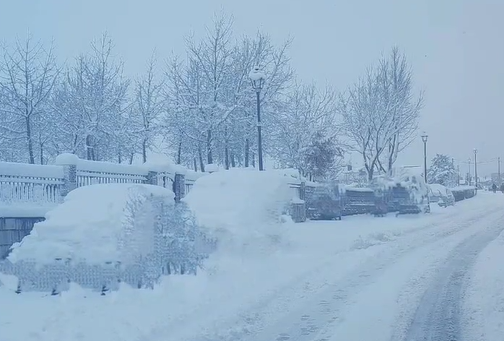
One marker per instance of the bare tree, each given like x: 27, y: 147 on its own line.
x: 380, y: 114
x: 304, y: 122
x: 363, y: 120
x: 149, y: 105
x: 92, y: 104
x: 27, y: 78
x: 397, y: 87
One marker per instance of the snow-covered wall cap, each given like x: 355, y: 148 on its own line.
x: 110, y: 167
x: 193, y: 176
x: 165, y: 167
x: 212, y: 168
x: 13, y: 169
x: 67, y: 159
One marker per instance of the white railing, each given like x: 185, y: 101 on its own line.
x: 23, y: 186
x: 34, y: 184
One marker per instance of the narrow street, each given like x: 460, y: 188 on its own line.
x: 407, y: 289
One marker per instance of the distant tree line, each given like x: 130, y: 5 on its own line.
x: 200, y: 109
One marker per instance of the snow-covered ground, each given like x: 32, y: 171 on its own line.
x: 362, y: 278
x: 484, y: 295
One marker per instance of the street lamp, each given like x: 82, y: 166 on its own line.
x: 424, y: 139
x: 475, y: 169
x: 257, y: 78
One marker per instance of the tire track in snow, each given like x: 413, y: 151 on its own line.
x: 314, y: 320
x: 438, y: 315
x: 308, y: 286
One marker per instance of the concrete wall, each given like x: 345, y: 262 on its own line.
x: 12, y: 230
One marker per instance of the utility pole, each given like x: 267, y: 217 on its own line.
x: 455, y: 183
x: 499, y: 171
x: 475, y: 169
x: 424, y: 140
x: 469, y: 178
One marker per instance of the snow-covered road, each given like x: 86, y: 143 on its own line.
x: 411, y: 278
x: 408, y: 288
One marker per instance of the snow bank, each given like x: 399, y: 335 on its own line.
x: 96, y: 223
x: 241, y: 205
x: 214, y: 306
x: 484, y: 304
x: 463, y: 188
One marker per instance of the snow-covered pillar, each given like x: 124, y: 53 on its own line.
x: 152, y: 178
x: 69, y: 163
x: 179, y: 186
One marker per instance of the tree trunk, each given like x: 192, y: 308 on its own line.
x: 132, y: 156
x: 179, y: 153
x: 195, y: 165
x: 226, y: 156
x: 89, y: 148
x: 253, y: 159
x: 41, y: 153
x: 200, y: 155
x: 247, y: 152
x: 29, y: 140
x: 144, y: 151
x: 209, y: 147
x: 233, y: 161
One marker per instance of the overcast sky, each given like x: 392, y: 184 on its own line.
x: 455, y: 47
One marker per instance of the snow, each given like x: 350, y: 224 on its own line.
x: 67, y: 159
x: 99, y: 166
x: 463, y: 188
x: 13, y: 169
x: 269, y: 276
x: 164, y: 167
x: 241, y: 205
x: 211, y: 168
x: 357, y: 189
x: 26, y: 211
x: 91, y: 225
x: 109, y: 167
x: 256, y: 74
x: 485, y: 299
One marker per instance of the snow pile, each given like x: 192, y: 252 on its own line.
x: 438, y: 189
x: 463, y: 188
x: 412, y: 179
x: 96, y: 223
x: 241, y: 206
x: 484, y: 304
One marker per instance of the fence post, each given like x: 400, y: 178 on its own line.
x: 302, y: 190
x: 152, y: 178
x: 179, y: 186
x: 69, y: 164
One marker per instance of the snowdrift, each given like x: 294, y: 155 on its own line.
x: 97, y: 224
x: 242, y: 207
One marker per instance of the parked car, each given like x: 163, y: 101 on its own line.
x: 324, y: 203
x: 442, y: 195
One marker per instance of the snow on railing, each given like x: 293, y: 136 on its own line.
x: 94, y: 172
x: 26, y: 183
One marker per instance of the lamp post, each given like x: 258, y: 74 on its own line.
x: 475, y: 169
x: 424, y: 139
x: 257, y: 78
